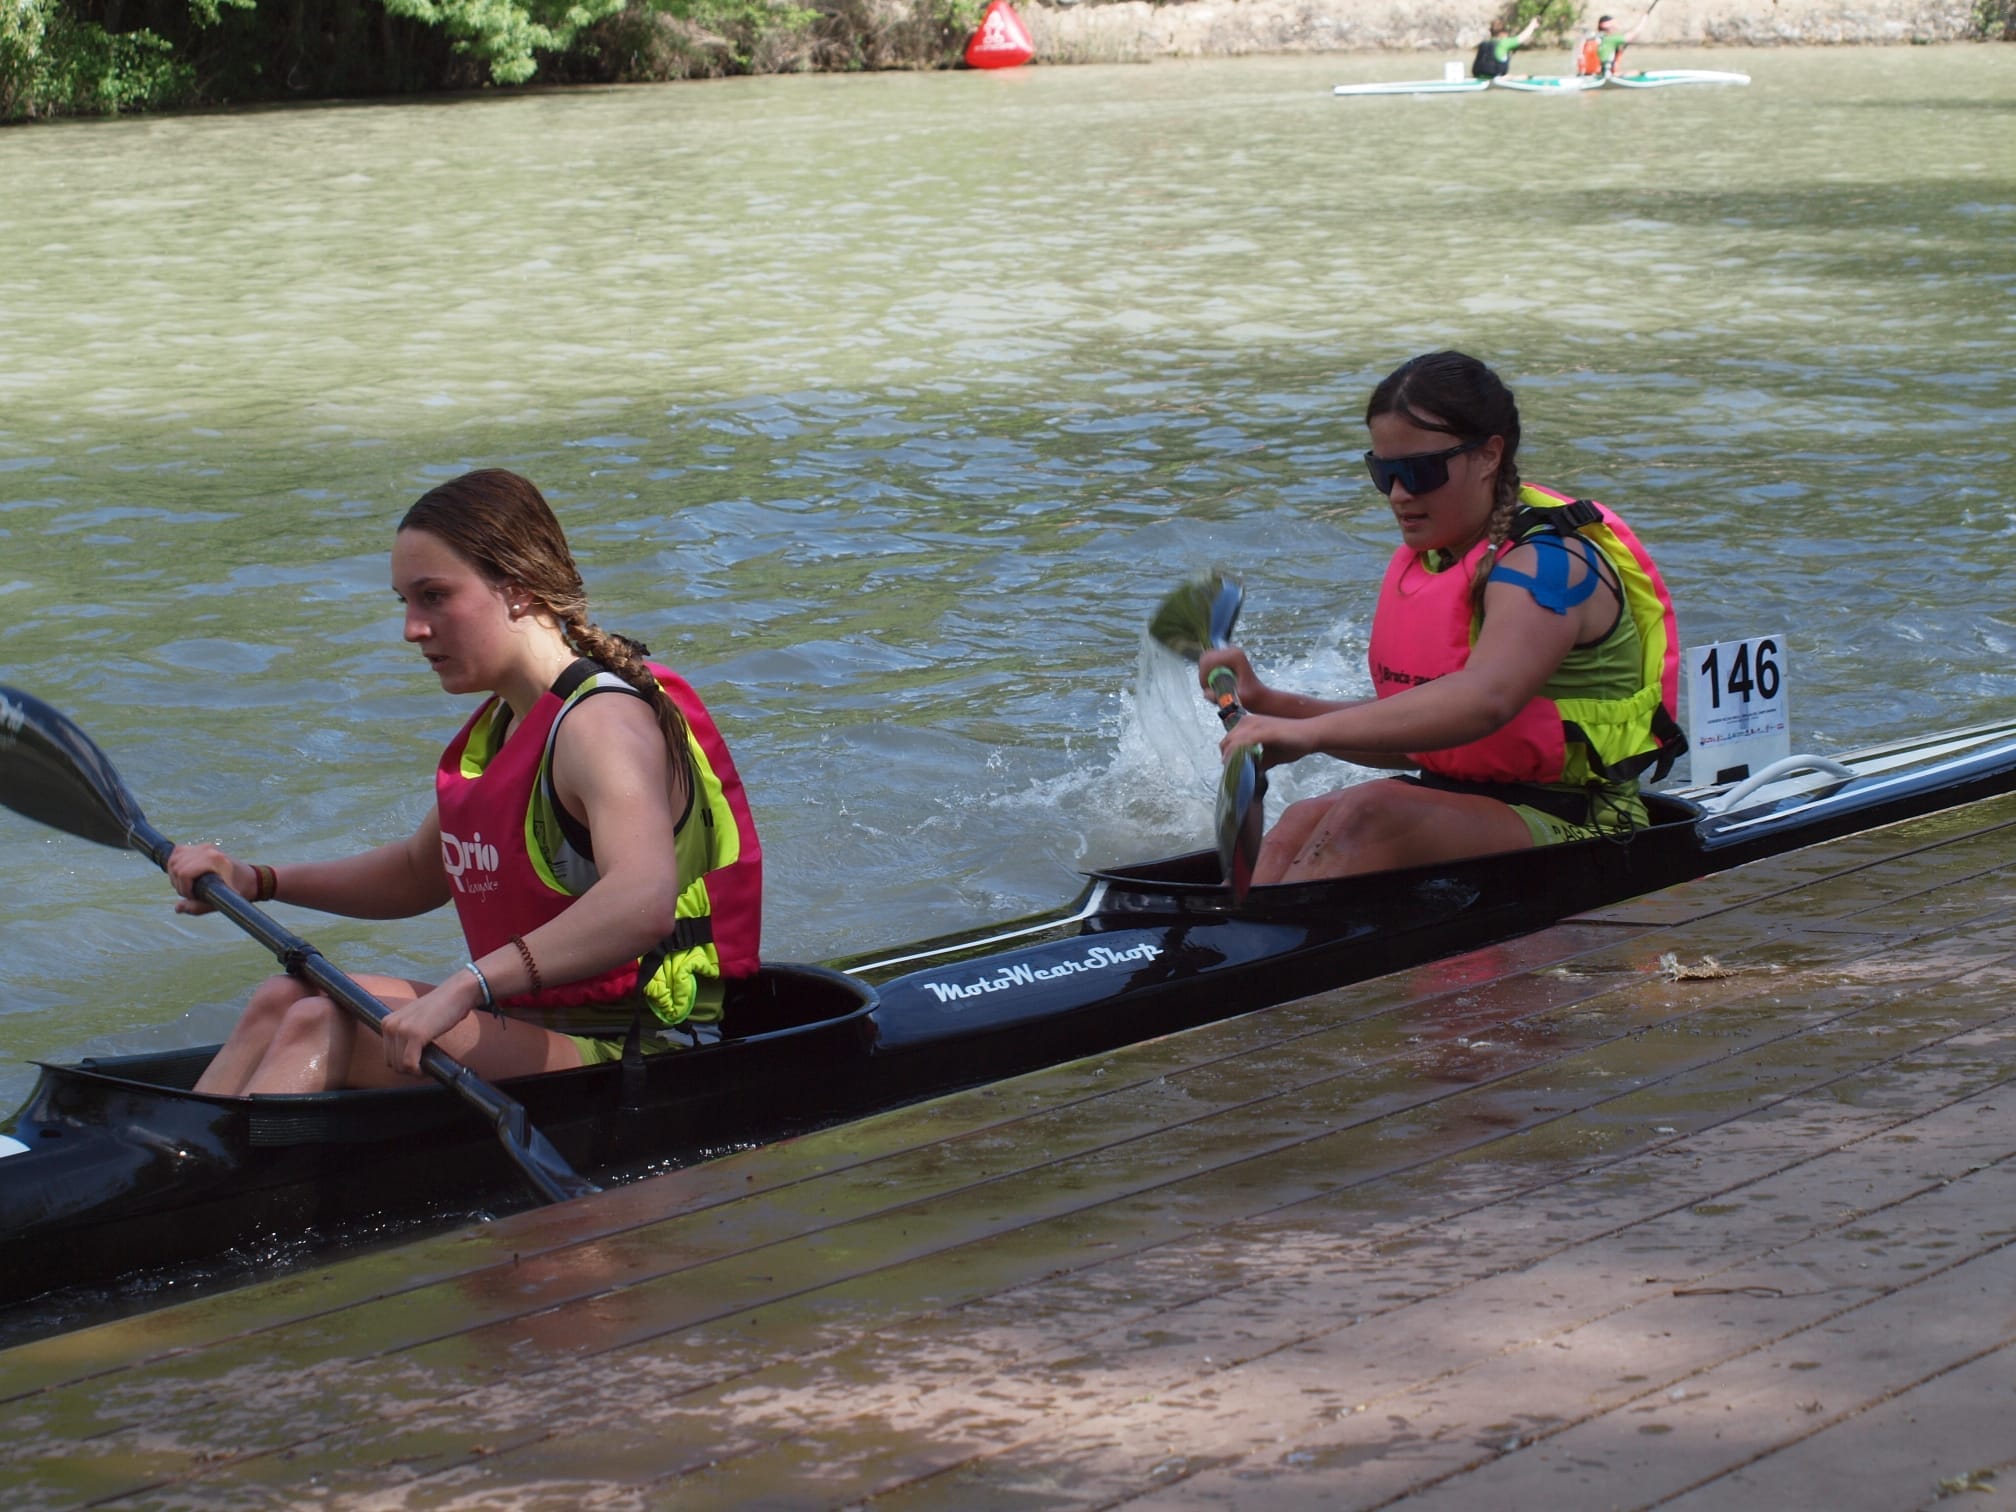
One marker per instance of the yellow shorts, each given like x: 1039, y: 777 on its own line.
x: 1610, y: 815
x: 701, y: 1027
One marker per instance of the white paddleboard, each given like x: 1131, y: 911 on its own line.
x: 1415, y: 86
x: 1658, y: 77
x: 1556, y: 84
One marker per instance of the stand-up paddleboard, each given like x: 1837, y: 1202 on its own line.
x: 1555, y: 84
x: 1415, y: 86
x: 1658, y: 77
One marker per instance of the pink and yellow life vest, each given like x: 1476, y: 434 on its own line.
x: 1426, y: 624
x: 511, y: 868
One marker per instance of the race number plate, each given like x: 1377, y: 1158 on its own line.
x: 1736, y: 708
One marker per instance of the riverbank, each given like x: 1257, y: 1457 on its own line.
x: 160, y: 55
x: 1133, y: 30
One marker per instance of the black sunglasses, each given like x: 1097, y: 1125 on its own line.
x: 1422, y: 473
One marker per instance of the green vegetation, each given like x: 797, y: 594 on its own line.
x: 104, y: 57
x: 53, y: 59
x: 1559, y: 19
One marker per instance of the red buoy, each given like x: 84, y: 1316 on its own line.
x: 1001, y: 40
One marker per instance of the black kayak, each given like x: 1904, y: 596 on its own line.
x: 125, y: 1169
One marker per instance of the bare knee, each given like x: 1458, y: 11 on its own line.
x: 1354, y: 819
x: 309, y: 1019
x: 272, y: 998
x: 1355, y: 831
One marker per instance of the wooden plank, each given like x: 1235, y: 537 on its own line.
x: 1179, y: 1341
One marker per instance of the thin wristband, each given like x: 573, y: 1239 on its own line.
x: 265, y: 883
x: 483, y: 982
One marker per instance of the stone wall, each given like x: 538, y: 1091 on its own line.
x: 1129, y: 30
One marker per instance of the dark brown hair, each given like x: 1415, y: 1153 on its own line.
x: 1469, y: 402
x: 501, y: 524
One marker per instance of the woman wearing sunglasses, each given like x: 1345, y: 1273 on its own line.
x: 1524, y: 656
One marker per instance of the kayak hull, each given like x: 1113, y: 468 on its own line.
x: 1415, y: 87
x: 127, y: 1169
x: 1549, y: 84
x: 1659, y: 78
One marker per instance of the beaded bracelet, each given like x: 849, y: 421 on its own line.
x: 531, y: 966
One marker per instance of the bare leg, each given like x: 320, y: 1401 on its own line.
x: 317, y: 1045
x: 252, y: 1036
x: 1376, y: 826
x: 1290, y: 834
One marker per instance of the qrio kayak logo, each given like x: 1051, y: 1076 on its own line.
x: 460, y: 858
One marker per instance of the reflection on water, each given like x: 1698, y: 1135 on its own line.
x: 888, y: 407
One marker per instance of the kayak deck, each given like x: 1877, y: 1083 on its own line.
x: 1608, y: 1195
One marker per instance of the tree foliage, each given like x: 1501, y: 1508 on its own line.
x: 506, y: 35
x: 55, y: 61
x: 75, y: 57
x: 1559, y: 19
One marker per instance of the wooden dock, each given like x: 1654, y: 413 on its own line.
x: 1703, y: 1201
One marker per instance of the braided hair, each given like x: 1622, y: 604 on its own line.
x: 502, y: 524
x: 1473, y: 404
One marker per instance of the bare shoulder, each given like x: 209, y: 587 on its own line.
x: 609, y: 738
x: 608, y: 715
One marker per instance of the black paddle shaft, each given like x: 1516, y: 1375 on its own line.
x: 55, y: 774
x: 543, y: 1165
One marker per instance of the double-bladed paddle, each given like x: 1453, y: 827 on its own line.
x: 1199, y: 613
x: 52, y: 772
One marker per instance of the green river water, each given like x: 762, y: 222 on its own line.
x: 886, y: 408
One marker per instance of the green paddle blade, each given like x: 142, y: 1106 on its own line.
x: 52, y: 772
x: 1241, y: 819
x: 1197, y: 613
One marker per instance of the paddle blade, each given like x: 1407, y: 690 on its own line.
x: 1193, y: 615
x: 1241, y: 820
x: 51, y: 772
x: 531, y: 1151
x: 1224, y: 614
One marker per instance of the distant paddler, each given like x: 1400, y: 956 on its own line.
x: 1600, y: 51
x: 1523, y: 655
x: 1494, y: 53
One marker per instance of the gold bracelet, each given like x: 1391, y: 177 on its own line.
x: 531, y: 966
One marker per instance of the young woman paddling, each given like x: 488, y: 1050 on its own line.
x: 599, y: 850
x: 1523, y: 654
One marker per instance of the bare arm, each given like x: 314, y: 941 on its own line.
x: 1258, y: 698
x: 395, y: 881
x: 611, y: 769
x: 1519, y: 649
